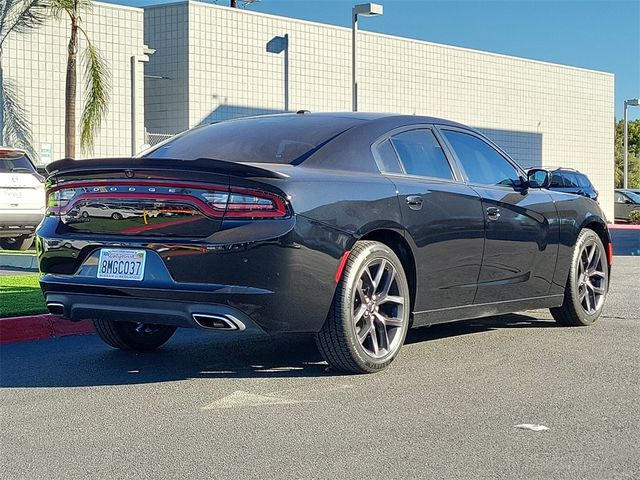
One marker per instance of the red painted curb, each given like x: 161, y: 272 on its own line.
x: 624, y: 226
x: 39, y: 327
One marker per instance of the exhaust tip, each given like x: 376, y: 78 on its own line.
x: 55, y: 308
x: 218, y: 322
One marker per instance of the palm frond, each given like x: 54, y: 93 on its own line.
x: 96, y: 96
x: 21, y: 16
x: 15, y: 126
x: 60, y: 7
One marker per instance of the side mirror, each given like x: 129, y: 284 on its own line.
x: 538, y: 178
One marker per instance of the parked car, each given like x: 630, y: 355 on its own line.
x: 625, y: 202
x: 572, y: 181
x: 101, y: 210
x: 351, y: 226
x: 22, y: 199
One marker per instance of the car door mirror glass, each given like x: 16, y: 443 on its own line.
x: 538, y: 178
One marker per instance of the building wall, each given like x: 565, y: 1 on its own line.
x: 541, y: 113
x: 36, y: 62
x: 167, y: 73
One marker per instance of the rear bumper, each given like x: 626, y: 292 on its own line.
x: 279, y: 284
x: 78, y: 307
x: 13, y: 223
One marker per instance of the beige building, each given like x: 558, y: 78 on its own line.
x: 212, y: 63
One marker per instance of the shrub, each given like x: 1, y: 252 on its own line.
x: 634, y: 217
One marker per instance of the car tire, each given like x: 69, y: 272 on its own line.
x: 116, y: 216
x: 133, y: 336
x: 587, y: 283
x: 23, y: 242
x: 369, y: 306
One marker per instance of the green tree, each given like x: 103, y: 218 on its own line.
x: 16, y: 16
x: 96, y: 76
x: 634, y: 154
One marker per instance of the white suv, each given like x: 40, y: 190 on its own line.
x: 22, y: 202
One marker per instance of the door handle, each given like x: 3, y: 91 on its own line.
x: 414, y: 202
x: 493, y: 213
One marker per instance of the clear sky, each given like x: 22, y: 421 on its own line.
x: 596, y: 34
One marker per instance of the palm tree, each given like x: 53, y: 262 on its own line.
x: 97, y: 79
x: 16, y: 16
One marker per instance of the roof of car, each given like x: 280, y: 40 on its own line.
x: 558, y: 169
x: 362, y: 116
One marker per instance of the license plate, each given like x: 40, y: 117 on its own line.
x: 119, y: 264
x: 11, y: 194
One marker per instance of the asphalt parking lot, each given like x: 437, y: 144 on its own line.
x: 266, y: 407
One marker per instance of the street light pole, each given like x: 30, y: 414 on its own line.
x: 354, y: 54
x: 634, y: 102
x: 366, y: 10
x: 135, y: 59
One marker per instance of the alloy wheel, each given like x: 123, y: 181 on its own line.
x: 592, y: 277
x: 378, y: 309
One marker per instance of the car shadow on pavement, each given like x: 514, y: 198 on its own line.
x: 477, y: 325
x: 85, y: 361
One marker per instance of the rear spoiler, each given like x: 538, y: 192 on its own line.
x: 205, y: 165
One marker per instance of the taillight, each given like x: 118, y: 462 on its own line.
x: 243, y: 203
x: 214, y: 201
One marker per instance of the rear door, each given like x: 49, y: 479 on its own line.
x: 521, y: 226
x: 442, y: 216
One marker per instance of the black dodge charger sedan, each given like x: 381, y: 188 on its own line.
x: 351, y: 226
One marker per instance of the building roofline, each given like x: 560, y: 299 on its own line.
x: 118, y: 6
x: 382, y: 35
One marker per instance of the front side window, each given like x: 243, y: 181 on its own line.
x: 421, y: 154
x: 483, y: 164
x: 620, y: 198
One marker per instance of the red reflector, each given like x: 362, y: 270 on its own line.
x: 341, y: 265
x: 610, y: 252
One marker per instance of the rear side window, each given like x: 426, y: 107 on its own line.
x: 388, y: 159
x: 483, y: 164
x: 421, y: 154
x: 620, y: 198
x: 583, y: 181
x: 557, y: 181
x: 570, y: 180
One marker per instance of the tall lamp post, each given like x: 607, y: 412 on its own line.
x: 366, y: 10
x: 634, y: 102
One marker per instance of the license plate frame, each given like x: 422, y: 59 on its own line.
x: 121, y: 264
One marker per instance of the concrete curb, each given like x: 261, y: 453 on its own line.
x: 40, y: 327
x: 20, y: 261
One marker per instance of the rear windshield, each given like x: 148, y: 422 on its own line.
x: 273, y: 139
x: 11, y: 161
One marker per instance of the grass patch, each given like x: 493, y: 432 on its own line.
x: 21, y: 295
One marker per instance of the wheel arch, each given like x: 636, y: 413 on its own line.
x: 600, y: 228
x: 397, y: 242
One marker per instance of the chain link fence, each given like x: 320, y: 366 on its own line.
x: 154, y: 138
